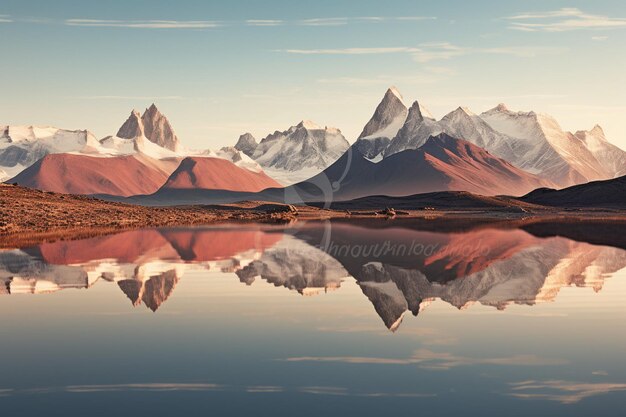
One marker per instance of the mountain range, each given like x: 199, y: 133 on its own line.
x: 530, y: 141
x: 297, y: 153
x: 400, y: 151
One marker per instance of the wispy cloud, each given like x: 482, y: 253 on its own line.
x: 326, y: 21
x: 599, y: 38
x: 434, y: 360
x: 566, y: 392
x: 350, y: 51
x: 428, y: 76
x: 144, y: 24
x: 153, y: 98
x: 264, y: 22
x: 428, y: 52
x: 562, y: 20
x: 207, y: 24
x: 340, y: 21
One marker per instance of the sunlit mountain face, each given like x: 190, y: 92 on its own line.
x: 319, y: 315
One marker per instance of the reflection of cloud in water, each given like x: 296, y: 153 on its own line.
x: 566, y: 392
x: 429, y: 359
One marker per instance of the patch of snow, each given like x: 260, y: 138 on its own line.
x: 391, y: 130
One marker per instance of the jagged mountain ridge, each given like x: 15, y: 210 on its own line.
x: 297, y: 153
x: 530, y: 141
x: 442, y: 163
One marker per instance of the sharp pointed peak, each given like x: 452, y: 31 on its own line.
x: 462, y: 111
x: 153, y: 109
x: 308, y: 124
x: 597, y: 129
x: 465, y: 110
x: 394, y: 92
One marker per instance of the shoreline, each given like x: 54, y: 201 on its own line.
x: 29, y: 216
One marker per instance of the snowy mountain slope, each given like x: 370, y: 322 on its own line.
x: 530, y: 141
x: 613, y: 159
x: 548, y: 150
x: 388, y: 118
x: 22, y: 146
x: 443, y: 163
x: 298, y: 152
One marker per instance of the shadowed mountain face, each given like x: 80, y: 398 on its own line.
x: 399, y: 267
x: 443, y: 163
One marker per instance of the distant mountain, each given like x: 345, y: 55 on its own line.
x: 201, y: 173
x: 153, y: 125
x: 296, y: 153
x: 387, y: 119
x: 124, y: 175
x: 601, y: 194
x: 613, y: 159
x: 246, y: 144
x: 530, y: 141
x: 22, y: 146
x: 138, y: 160
x: 442, y: 163
x: 544, y: 148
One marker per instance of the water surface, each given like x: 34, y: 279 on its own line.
x: 314, y: 319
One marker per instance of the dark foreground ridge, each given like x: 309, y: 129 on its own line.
x: 32, y: 215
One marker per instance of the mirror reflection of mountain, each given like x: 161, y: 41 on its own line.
x: 398, y: 268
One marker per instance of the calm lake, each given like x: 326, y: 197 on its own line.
x: 311, y: 319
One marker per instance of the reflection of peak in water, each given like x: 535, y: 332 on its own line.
x: 535, y: 274
x: 153, y: 292
x: 487, y: 266
x: 295, y: 265
x: 494, y: 267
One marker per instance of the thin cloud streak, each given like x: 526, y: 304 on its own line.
x: 328, y: 21
x: 565, y: 19
x: 350, y: 51
x: 144, y: 24
x: 435, y: 51
x: 207, y: 24
x: 264, y: 22
x: 153, y: 98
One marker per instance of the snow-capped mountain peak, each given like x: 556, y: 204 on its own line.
x: 388, y: 118
x: 461, y: 112
x: 308, y: 124
x: 297, y: 153
x: 393, y: 90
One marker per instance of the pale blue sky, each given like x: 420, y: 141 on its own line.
x: 218, y: 69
